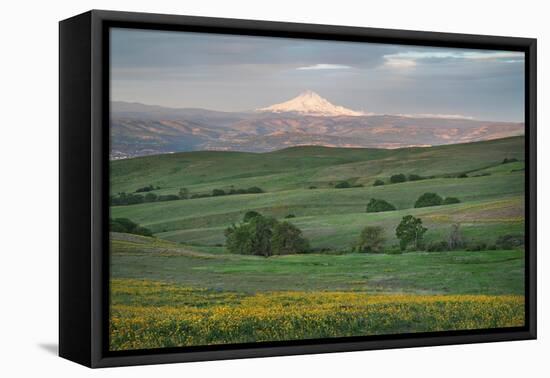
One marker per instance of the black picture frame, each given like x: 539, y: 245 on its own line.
x: 84, y: 186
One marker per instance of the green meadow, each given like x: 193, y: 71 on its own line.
x: 165, y: 286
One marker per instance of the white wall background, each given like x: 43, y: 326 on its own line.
x: 29, y: 186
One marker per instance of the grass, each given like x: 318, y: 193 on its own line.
x: 460, y: 272
x: 182, y: 287
x: 301, y: 167
x: 149, y: 314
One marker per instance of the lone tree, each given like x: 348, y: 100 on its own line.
x: 410, y: 230
x: 395, y: 179
x: 371, y: 240
x: 455, y: 240
x: 378, y: 182
x: 428, y: 199
x: 376, y: 206
x: 287, y: 239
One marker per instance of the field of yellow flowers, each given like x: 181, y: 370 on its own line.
x: 153, y: 314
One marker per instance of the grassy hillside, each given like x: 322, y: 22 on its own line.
x: 301, y: 167
x: 182, y: 287
x: 491, y: 196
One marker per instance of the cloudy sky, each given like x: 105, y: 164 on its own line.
x: 237, y: 73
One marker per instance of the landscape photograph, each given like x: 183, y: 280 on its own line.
x: 270, y: 189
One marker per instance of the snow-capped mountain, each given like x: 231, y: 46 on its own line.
x: 310, y: 103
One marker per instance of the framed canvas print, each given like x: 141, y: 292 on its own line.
x: 233, y: 188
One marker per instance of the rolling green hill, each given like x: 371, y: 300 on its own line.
x: 182, y: 287
x: 491, y: 196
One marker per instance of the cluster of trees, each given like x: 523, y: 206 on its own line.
x: 378, y: 205
x: 251, y: 190
x: 425, y: 200
x: 409, y: 232
x: 264, y: 236
x: 346, y: 184
x: 127, y: 226
x: 401, y: 177
x: 434, y: 199
x: 124, y: 198
x: 147, y: 188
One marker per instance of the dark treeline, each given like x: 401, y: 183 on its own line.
x: 123, y: 198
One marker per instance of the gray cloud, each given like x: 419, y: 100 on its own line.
x: 226, y: 72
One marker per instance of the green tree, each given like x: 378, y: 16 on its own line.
x: 218, y: 192
x: 254, y: 190
x: 287, y: 239
x: 378, y: 183
x: 410, y: 230
x: 343, y: 185
x: 237, y: 239
x: 395, y: 179
x: 428, y: 199
x: 376, y: 206
x: 371, y: 240
x: 450, y: 200
x: 250, y: 214
x: 127, y: 226
x: 413, y: 177
x: 150, y: 197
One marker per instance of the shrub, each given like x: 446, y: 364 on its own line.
x: 462, y: 175
x: 287, y: 239
x: 476, y: 246
x: 126, y: 225
x: 450, y: 200
x: 376, y: 206
x: 510, y: 241
x: 413, y: 177
x: 410, y: 230
x: 428, y: 199
x: 150, y: 197
x: 378, y: 183
x: 312, y: 187
x: 198, y: 195
x: 290, y: 216
x: 343, y: 185
x: 249, y: 215
x: 371, y: 240
x: 218, y: 192
x: 147, y: 188
x: 439, y: 246
x: 395, y: 179
x: 358, y: 186
x: 511, y: 160
x: 254, y: 190
x: 168, y: 197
